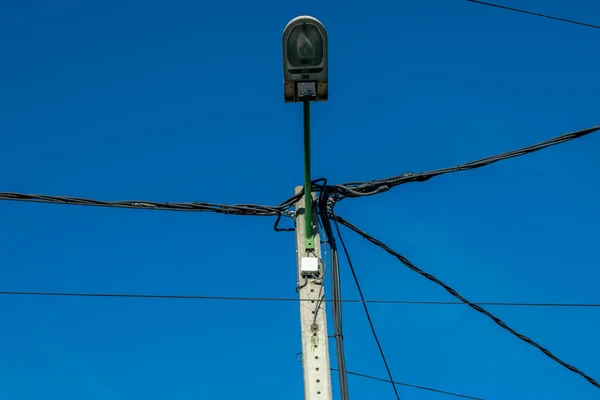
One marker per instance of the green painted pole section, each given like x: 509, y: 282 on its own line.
x: 308, y: 215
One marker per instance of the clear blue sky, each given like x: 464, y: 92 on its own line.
x: 182, y: 101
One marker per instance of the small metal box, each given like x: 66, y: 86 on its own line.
x: 309, y: 266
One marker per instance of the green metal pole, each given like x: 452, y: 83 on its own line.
x: 308, y: 215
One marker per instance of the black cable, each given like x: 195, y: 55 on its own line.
x: 464, y: 396
x: 481, y: 303
x: 278, y: 229
x: 149, y: 296
x: 350, y: 189
x: 292, y: 299
x: 317, y: 186
x: 362, y: 298
x: 375, y: 186
x: 321, y: 280
x: 454, y: 293
x: 336, y: 292
x: 237, y: 209
x: 534, y: 13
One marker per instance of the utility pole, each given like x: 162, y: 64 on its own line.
x: 311, y: 276
x: 305, y: 79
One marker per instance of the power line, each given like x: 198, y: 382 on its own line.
x: 362, y: 298
x: 151, y: 296
x: 196, y: 206
x: 454, y: 293
x: 464, y: 396
x: 349, y: 189
x: 355, y: 189
x: 486, y: 303
x: 534, y: 13
x: 293, y: 299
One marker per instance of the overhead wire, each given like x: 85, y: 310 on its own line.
x: 337, y: 191
x: 464, y: 396
x: 420, y: 387
x: 327, y: 194
x: 278, y: 211
x: 362, y: 298
x: 534, y: 13
x: 293, y: 299
x: 356, y: 189
x: 454, y: 293
x: 347, y: 190
x: 239, y: 209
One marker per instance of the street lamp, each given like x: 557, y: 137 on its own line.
x: 305, y: 60
x: 305, y: 80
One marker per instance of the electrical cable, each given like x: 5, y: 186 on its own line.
x: 349, y: 189
x: 278, y: 229
x: 321, y: 281
x: 149, y: 296
x: 412, y: 386
x: 236, y: 209
x: 293, y: 299
x: 283, y: 209
x: 354, y: 189
x: 318, y: 306
x: 454, y: 293
x: 301, y: 285
x: 362, y: 297
x: 464, y: 396
x: 533, y: 13
x: 325, y: 243
x: 336, y: 292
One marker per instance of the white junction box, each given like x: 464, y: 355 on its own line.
x: 309, y: 266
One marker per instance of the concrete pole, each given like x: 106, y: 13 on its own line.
x: 315, y: 349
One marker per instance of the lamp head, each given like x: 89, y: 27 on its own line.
x: 305, y: 60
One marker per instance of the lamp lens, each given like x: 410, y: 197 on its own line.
x: 305, y: 46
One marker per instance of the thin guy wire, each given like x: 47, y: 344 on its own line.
x: 362, y: 297
x: 464, y: 396
x: 292, y: 299
x: 454, y: 293
x: 412, y: 386
x: 534, y: 13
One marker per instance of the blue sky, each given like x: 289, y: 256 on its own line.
x: 183, y: 102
